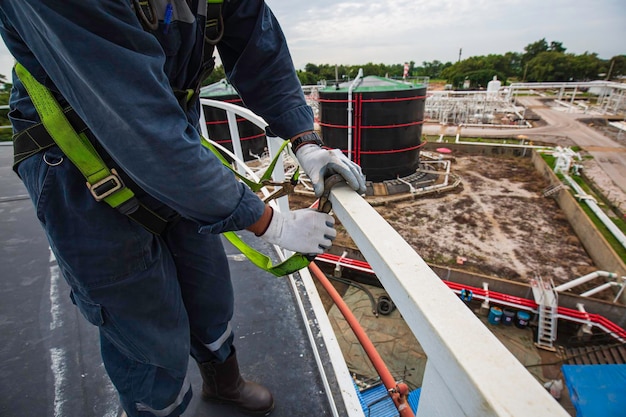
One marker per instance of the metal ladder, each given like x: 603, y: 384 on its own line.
x: 547, y: 300
x: 552, y: 189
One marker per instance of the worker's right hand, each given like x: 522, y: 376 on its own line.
x: 306, y: 231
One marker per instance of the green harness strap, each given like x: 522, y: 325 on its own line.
x: 105, y: 184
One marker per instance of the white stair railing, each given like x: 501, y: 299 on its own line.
x: 547, y: 299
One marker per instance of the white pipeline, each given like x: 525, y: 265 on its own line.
x: 619, y: 235
x: 585, y: 278
x: 600, y: 288
x: 356, y: 81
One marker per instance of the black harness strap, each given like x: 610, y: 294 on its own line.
x: 36, y: 138
x: 146, y: 14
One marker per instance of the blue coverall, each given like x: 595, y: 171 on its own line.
x: 155, y: 299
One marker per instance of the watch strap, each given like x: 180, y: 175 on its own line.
x: 308, y: 138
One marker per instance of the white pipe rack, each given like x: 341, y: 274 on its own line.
x: 585, y: 278
x: 354, y: 84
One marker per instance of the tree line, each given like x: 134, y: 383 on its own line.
x: 539, y: 62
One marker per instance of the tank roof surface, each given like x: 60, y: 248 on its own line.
x: 372, y: 83
x: 218, y: 89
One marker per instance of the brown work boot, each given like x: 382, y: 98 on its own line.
x: 223, y: 383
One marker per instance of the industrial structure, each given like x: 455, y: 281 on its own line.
x: 468, y: 371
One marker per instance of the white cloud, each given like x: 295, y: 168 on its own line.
x: 394, y: 31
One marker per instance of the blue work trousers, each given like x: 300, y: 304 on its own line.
x: 155, y: 299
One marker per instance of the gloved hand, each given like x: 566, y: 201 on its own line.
x: 319, y: 163
x: 306, y: 231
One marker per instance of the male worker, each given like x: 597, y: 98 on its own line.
x: 124, y: 67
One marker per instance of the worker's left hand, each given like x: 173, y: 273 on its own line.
x: 319, y: 163
x: 306, y: 231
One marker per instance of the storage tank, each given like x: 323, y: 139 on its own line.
x: 493, y: 87
x: 387, y: 117
x: 252, y: 137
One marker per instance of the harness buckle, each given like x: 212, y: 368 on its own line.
x: 286, y: 187
x: 106, y: 186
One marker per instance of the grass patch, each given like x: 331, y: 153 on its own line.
x: 579, y: 180
x: 550, y: 161
x: 620, y: 223
x: 617, y: 247
x: 615, y: 244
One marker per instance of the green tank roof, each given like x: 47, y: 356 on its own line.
x: 371, y: 83
x: 218, y: 89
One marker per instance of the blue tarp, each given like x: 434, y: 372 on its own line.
x: 597, y: 390
x: 376, y: 402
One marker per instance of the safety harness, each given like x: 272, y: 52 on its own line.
x: 213, y: 33
x: 106, y: 185
x: 64, y: 128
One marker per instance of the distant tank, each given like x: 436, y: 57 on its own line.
x: 493, y: 87
x: 387, y: 117
x: 253, y: 140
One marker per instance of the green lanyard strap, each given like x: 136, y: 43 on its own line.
x: 294, y: 263
x: 290, y: 265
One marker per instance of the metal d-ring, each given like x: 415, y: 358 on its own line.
x: 50, y: 163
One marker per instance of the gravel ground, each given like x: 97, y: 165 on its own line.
x: 498, y: 223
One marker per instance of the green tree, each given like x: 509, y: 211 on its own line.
x: 217, y: 74
x: 549, y: 66
x: 533, y: 49
x: 617, y: 66
x: 479, y: 70
x: 556, y: 47
x: 306, y: 78
x: 586, y: 66
x: 312, y: 69
x: 431, y: 69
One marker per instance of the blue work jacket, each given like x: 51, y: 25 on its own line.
x: 118, y: 77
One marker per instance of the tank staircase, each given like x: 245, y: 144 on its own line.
x: 614, y: 354
x: 553, y: 189
x: 547, y: 301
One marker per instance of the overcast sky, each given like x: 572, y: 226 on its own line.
x: 396, y: 31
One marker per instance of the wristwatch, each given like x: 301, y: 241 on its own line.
x: 311, y: 137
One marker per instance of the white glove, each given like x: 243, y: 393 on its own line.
x: 319, y: 163
x: 306, y: 231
